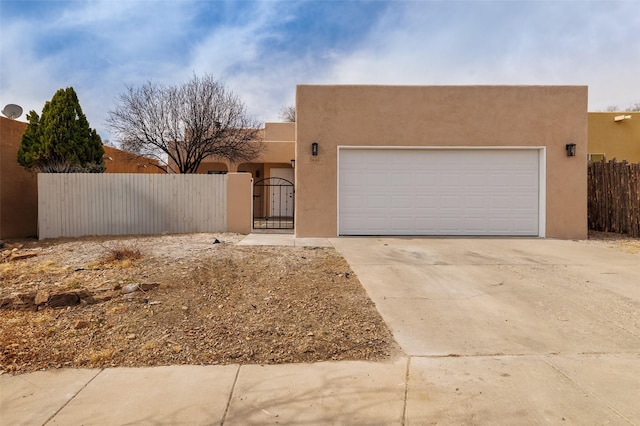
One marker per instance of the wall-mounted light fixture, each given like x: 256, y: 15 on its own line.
x: 571, y: 149
x: 314, y: 149
x: 293, y: 164
x: 621, y: 117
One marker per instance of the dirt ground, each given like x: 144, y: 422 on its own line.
x: 182, y: 299
x: 199, y: 299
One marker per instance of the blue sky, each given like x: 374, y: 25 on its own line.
x: 262, y: 49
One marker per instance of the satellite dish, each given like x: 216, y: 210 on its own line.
x: 12, y: 111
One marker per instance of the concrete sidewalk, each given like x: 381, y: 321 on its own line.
x: 320, y: 393
x: 282, y: 240
x: 504, y: 331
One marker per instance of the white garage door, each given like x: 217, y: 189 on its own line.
x: 438, y: 192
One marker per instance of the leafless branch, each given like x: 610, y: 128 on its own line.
x: 183, y: 125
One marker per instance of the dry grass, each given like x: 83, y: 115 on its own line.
x: 215, y: 304
x: 118, y: 256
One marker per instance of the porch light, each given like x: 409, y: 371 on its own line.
x: 293, y: 164
x: 314, y: 149
x: 571, y: 149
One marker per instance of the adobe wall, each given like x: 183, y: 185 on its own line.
x: 548, y: 116
x: 18, y: 188
x: 239, y: 203
x: 615, y: 139
x: 282, y: 132
x: 119, y: 161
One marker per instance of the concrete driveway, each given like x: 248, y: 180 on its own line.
x: 509, y: 331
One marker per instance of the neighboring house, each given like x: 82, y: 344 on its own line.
x: 18, y: 187
x: 273, y: 198
x: 119, y: 161
x: 280, y: 148
x: 441, y: 160
x: 614, y: 135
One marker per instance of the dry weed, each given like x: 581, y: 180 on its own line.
x: 119, y: 256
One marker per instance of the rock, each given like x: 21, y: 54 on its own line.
x: 101, y: 298
x: 23, y: 300
x: 131, y: 336
x: 216, y: 241
x: 148, y: 286
x: 60, y: 300
x: 5, y: 301
x: 130, y: 288
x: 84, y: 293
x: 81, y: 324
x: 20, y: 256
x: 42, y: 297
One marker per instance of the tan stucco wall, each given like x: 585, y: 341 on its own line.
x: 278, y: 152
x: 119, y: 161
x: 615, y: 139
x: 239, y: 203
x: 279, y: 147
x: 18, y: 188
x: 206, y: 167
x: 548, y: 116
x: 283, y: 132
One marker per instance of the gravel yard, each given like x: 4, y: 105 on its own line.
x: 180, y: 299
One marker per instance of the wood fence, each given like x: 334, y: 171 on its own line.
x: 614, y: 197
x: 77, y: 204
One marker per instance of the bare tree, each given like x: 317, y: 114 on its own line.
x: 288, y: 113
x: 631, y: 108
x: 183, y: 125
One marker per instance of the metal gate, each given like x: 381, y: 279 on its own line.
x: 273, y: 204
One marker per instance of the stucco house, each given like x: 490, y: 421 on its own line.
x: 614, y: 135
x: 441, y: 160
x: 275, y: 160
x: 18, y: 188
x: 120, y: 161
x: 422, y: 160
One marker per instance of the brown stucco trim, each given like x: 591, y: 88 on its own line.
x: 239, y: 203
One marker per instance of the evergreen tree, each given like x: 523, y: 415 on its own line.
x: 60, y: 140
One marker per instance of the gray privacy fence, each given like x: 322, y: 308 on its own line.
x: 77, y: 204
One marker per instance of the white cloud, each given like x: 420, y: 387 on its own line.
x: 519, y: 43
x: 98, y: 47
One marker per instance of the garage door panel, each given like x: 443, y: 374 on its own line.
x: 525, y: 203
x: 438, y: 192
x: 425, y: 202
x: 475, y: 205
x: 500, y: 202
x: 402, y: 202
x: 451, y: 201
x: 376, y: 179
